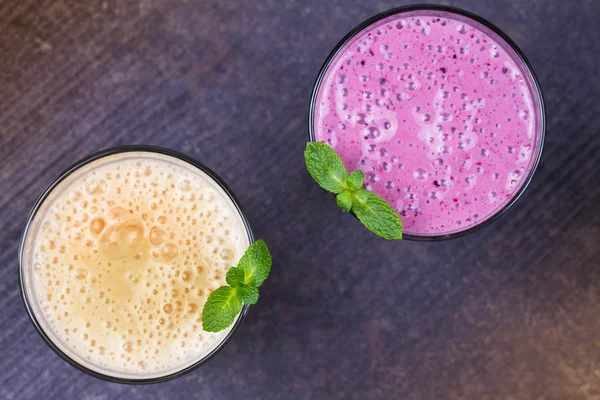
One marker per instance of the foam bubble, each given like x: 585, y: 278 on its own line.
x: 157, y: 236
x: 95, y: 186
x: 420, y: 174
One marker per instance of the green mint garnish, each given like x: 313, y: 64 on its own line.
x: 376, y: 214
x: 326, y: 167
x: 344, y: 200
x: 243, y: 281
x: 220, y: 309
x: 235, y: 277
x: 247, y: 294
x: 256, y: 264
x: 356, y: 179
x: 328, y: 170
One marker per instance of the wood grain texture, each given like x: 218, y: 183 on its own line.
x: 511, y: 312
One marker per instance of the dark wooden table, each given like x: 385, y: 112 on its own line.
x: 511, y: 312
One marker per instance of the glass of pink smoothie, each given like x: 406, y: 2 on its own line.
x: 440, y: 110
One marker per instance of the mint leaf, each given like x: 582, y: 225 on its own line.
x: 326, y: 167
x: 247, y: 294
x: 256, y: 264
x: 377, y: 215
x: 220, y: 309
x: 235, y: 277
x: 344, y: 200
x: 356, y: 179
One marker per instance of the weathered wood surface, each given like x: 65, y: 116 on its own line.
x: 511, y: 312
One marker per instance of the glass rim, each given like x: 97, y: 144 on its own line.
x: 537, y: 94
x: 40, y: 200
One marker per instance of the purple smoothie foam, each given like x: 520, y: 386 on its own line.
x: 439, y: 113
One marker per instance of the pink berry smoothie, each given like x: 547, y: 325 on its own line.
x: 441, y: 114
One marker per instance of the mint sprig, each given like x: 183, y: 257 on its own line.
x: 328, y: 170
x: 225, y: 303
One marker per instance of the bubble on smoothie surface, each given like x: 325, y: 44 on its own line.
x: 433, y: 105
x: 122, y: 268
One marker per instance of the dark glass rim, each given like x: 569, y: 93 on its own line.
x: 40, y: 201
x: 453, y: 10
